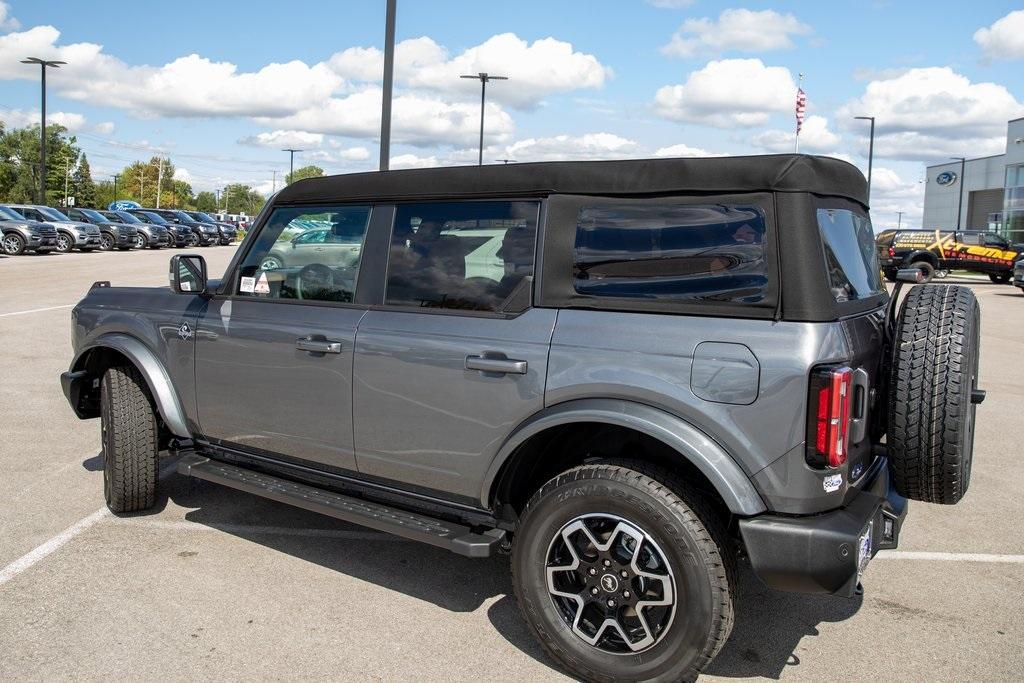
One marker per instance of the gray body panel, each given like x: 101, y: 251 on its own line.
x: 256, y: 390
x: 421, y: 417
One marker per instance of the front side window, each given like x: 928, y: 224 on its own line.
x: 475, y: 256
x: 712, y: 252
x: 310, y: 253
x: 850, y: 254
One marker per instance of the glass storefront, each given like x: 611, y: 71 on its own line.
x: 1013, y: 204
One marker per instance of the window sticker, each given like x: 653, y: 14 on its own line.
x: 832, y: 482
x: 248, y: 285
x: 262, y: 285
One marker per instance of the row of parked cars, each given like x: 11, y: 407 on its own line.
x: 32, y: 227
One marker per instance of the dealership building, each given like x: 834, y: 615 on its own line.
x: 981, y: 194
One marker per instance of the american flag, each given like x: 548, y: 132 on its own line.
x: 801, y: 107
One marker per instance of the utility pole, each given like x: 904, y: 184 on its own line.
x: 291, y: 164
x: 389, y: 77
x: 871, y: 149
x: 483, y: 77
x: 142, y: 185
x: 43, y: 63
x: 899, y: 219
x: 67, y: 172
x: 960, y: 203
x: 116, y: 176
x: 159, y: 180
x: 273, y: 183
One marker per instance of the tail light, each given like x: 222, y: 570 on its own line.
x: 828, y: 416
x: 892, y: 252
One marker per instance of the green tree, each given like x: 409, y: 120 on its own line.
x: 239, y: 198
x: 304, y: 172
x: 82, y: 187
x: 206, y: 201
x: 140, y: 180
x: 19, y: 163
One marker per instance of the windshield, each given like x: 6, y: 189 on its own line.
x: 850, y: 254
x: 122, y: 216
x: 10, y: 214
x: 154, y: 218
x: 52, y: 214
x: 204, y: 217
x: 182, y: 216
x: 94, y: 215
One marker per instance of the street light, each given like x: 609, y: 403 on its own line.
x: 291, y: 153
x: 899, y: 219
x: 483, y: 77
x: 960, y: 203
x: 116, y: 176
x: 43, y: 63
x: 389, y: 77
x: 506, y: 161
x: 871, y: 149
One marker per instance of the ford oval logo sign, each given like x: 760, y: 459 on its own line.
x: 946, y: 178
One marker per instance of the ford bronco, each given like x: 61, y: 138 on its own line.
x: 631, y: 375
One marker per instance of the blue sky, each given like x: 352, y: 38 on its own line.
x: 198, y: 81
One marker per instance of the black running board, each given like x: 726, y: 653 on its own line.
x: 449, y: 535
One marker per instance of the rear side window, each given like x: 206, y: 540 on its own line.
x: 673, y: 252
x: 850, y: 254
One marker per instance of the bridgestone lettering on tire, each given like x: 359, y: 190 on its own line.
x: 686, y: 576
x: 933, y: 373
x: 130, y: 445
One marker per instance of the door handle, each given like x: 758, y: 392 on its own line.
x: 317, y: 345
x: 503, y: 366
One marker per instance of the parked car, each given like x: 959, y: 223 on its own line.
x: 181, y: 234
x: 324, y: 245
x: 228, y: 232
x: 70, y: 234
x: 684, y: 362
x: 146, y: 234
x: 1018, y: 275
x: 935, y: 251
x: 18, y: 234
x: 113, y: 234
x: 202, y: 234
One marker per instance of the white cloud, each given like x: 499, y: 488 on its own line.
x: 683, y: 150
x: 7, y: 22
x: 104, y: 128
x: 933, y: 113
x: 182, y: 174
x: 727, y: 93
x: 571, y: 147
x: 413, y: 161
x: 1004, y: 39
x: 19, y: 118
x: 891, y: 194
x: 815, y: 137
x: 741, y: 30
x: 281, y: 139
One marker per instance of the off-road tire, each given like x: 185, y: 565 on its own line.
x: 130, y: 441
x: 692, y: 537
x: 1000, y: 278
x: 933, y: 372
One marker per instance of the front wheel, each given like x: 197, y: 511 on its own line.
x: 14, y: 244
x: 65, y: 243
x: 106, y: 242
x: 140, y: 241
x: 1000, y: 278
x: 128, y: 430
x: 623, y: 573
x: 192, y: 241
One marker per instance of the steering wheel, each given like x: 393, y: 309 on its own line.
x: 312, y: 280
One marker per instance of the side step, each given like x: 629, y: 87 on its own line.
x: 455, y: 537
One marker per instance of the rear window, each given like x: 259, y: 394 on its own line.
x: 850, y: 254
x: 671, y: 252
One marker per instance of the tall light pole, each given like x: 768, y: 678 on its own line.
x: 291, y: 163
x: 43, y: 63
x: 871, y: 149
x: 389, y: 77
x: 116, y: 176
x: 899, y: 219
x: 483, y: 77
x: 506, y: 161
x: 960, y: 202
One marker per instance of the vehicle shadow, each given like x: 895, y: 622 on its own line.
x: 769, y: 624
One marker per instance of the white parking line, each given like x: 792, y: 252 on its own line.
x: 948, y: 557
x: 36, y: 310
x: 40, y: 552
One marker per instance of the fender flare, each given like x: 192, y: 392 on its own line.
x: 921, y: 255
x: 154, y: 372
x: 728, y: 479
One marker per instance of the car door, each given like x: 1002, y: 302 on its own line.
x: 453, y: 360
x: 273, y: 356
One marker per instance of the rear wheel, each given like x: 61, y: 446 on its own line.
x: 623, y: 573
x: 129, y: 436
x: 14, y: 244
x: 933, y: 375
x: 1000, y: 278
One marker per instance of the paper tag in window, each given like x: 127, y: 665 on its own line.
x: 186, y: 286
x: 832, y: 482
x: 248, y: 285
x: 262, y: 286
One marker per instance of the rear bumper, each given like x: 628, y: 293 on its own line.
x: 820, y: 553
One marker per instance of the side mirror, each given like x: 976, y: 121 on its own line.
x: 914, y: 276
x: 188, y: 274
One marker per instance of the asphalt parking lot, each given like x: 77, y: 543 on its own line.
x: 218, y: 584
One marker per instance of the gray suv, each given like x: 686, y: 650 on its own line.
x: 18, y: 234
x: 70, y: 234
x: 630, y: 375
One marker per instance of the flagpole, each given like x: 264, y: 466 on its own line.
x: 799, y: 88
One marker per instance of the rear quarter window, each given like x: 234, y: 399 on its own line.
x: 850, y: 255
x: 711, y: 252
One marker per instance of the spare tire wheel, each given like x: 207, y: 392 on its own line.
x: 933, y: 377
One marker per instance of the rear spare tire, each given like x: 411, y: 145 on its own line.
x: 933, y: 374
x: 129, y: 436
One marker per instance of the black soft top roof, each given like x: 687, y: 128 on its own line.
x: 633, y: 177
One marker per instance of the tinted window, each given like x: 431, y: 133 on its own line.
x: 660, y: 251
x: 51, y: 214
x: 850, y: 254
x: 309, y: 253
x: 473, y: 256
